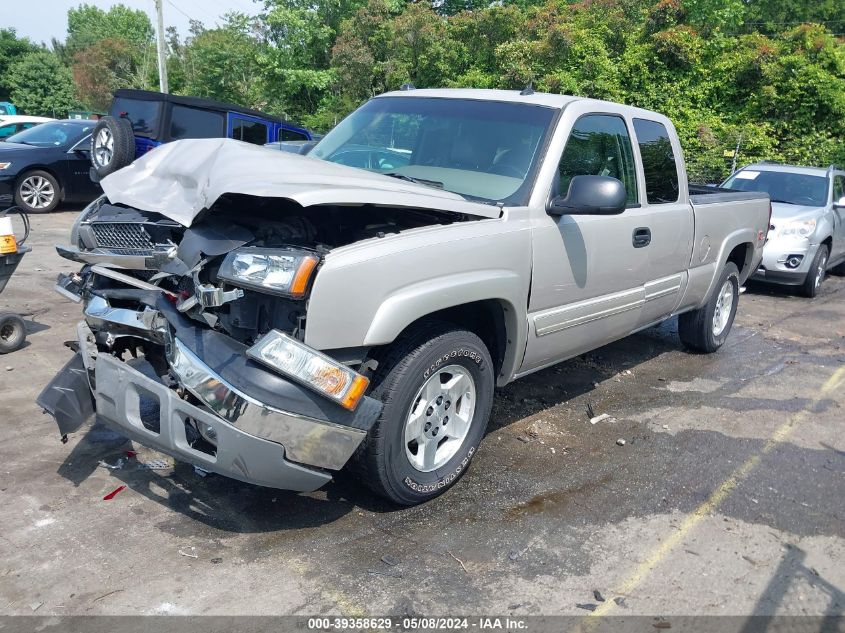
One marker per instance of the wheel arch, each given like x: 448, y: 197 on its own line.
x: 486, y: 304
x: 741, y: 255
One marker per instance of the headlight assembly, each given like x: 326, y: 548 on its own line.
x: 309, y: 367
x: 282, y: 271
x: 799, y: 228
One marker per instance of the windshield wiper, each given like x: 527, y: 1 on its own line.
x: 419, y: 181
x: 781, y: 201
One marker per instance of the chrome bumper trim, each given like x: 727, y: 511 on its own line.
x: 148, y: 324
x: 239, y: 455
x: 306, y: 440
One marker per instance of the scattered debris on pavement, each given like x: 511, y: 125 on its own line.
x: 392, y: 561
x: 587, y: 606
x: 620, y: 442
x: 459, y: 561
x: 114, y: 493
x: 116, y: 466
x: 600, y: 418
x: 188, y: 554
x: 154, y: 464
x: 597, y: 595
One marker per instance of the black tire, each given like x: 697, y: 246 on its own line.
x: 696, y: 328
x: 12, y: 333
x: 382, y: 461
x: 107, y: 159
x: 813, y: 281
x: 37, y: 192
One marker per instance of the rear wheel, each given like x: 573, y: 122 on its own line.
x: 436, y: 384
x: 813, y: 282
x: 706, y: 329
x: 12, y: 333
x: 112, y: 145
x: 37, y: 192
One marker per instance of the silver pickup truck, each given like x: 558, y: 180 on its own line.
x: 274, y: 317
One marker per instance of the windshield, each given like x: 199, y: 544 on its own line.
x: 142, y: 114
x: 483, y: 150
x: 782, y: 186
x: 55, y: 134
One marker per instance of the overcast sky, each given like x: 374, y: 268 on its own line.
x: 41, y: 20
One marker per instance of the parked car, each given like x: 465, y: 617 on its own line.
x: 47, y: 164
x: 807, y: 234
x: 12, y: 124
x: 286, y: 314
x: 140, y: 120
x: 7, y: 108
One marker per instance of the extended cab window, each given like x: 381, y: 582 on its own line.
x: 661, y: 171
x: 249, y: 131
x: 599, y: 145
x: 291, y: 135
x: 193, y: 123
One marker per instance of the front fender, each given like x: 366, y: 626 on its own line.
x: 367, y: 294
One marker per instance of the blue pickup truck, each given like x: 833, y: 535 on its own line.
x: 140, y: 120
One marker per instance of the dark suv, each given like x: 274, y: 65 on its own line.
x: 140, y: 120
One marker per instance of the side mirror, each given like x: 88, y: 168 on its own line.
x: 307, y: 147
x: 839, y: 205
x: 591, y: 195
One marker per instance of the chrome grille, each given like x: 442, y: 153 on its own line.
x: 127, y: 238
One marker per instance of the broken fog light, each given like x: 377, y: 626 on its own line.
x: 284, y: 271
x: 310, y: 368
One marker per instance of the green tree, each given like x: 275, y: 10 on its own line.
x: 41, y: 85
x: 12, y: 48
x: 88, y: 24
x: 223, y: 64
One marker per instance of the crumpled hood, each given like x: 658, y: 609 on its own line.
x: 181, y: 179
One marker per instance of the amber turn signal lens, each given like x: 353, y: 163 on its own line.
x: 302, y: 276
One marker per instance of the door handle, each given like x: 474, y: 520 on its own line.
x: 641, y: 237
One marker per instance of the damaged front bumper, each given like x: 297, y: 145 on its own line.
x: 256, y: 426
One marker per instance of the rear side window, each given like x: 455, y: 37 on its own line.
x: 599, y: 145
x: 193, y: 123
x: 659, y: 167
x: 249, y: 131
x: 291, y: 135
x: 142, y: 114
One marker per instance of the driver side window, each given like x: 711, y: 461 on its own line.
x: 599, y: 145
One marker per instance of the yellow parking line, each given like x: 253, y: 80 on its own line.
x: 719, y: 495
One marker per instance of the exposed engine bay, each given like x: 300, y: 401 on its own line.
x: 211, y: 270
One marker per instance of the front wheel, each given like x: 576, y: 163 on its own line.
x: 815, y: 276
x: 706, y: 329
x: 437, y: 385
x: 37, y: 192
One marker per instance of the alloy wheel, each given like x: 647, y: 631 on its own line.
x: 440, y: 418
x: 724, y: 303
x: 37, y: 192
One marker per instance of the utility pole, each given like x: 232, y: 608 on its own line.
x: 162, y: 63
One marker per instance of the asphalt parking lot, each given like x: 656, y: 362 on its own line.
x: 727, y: 497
